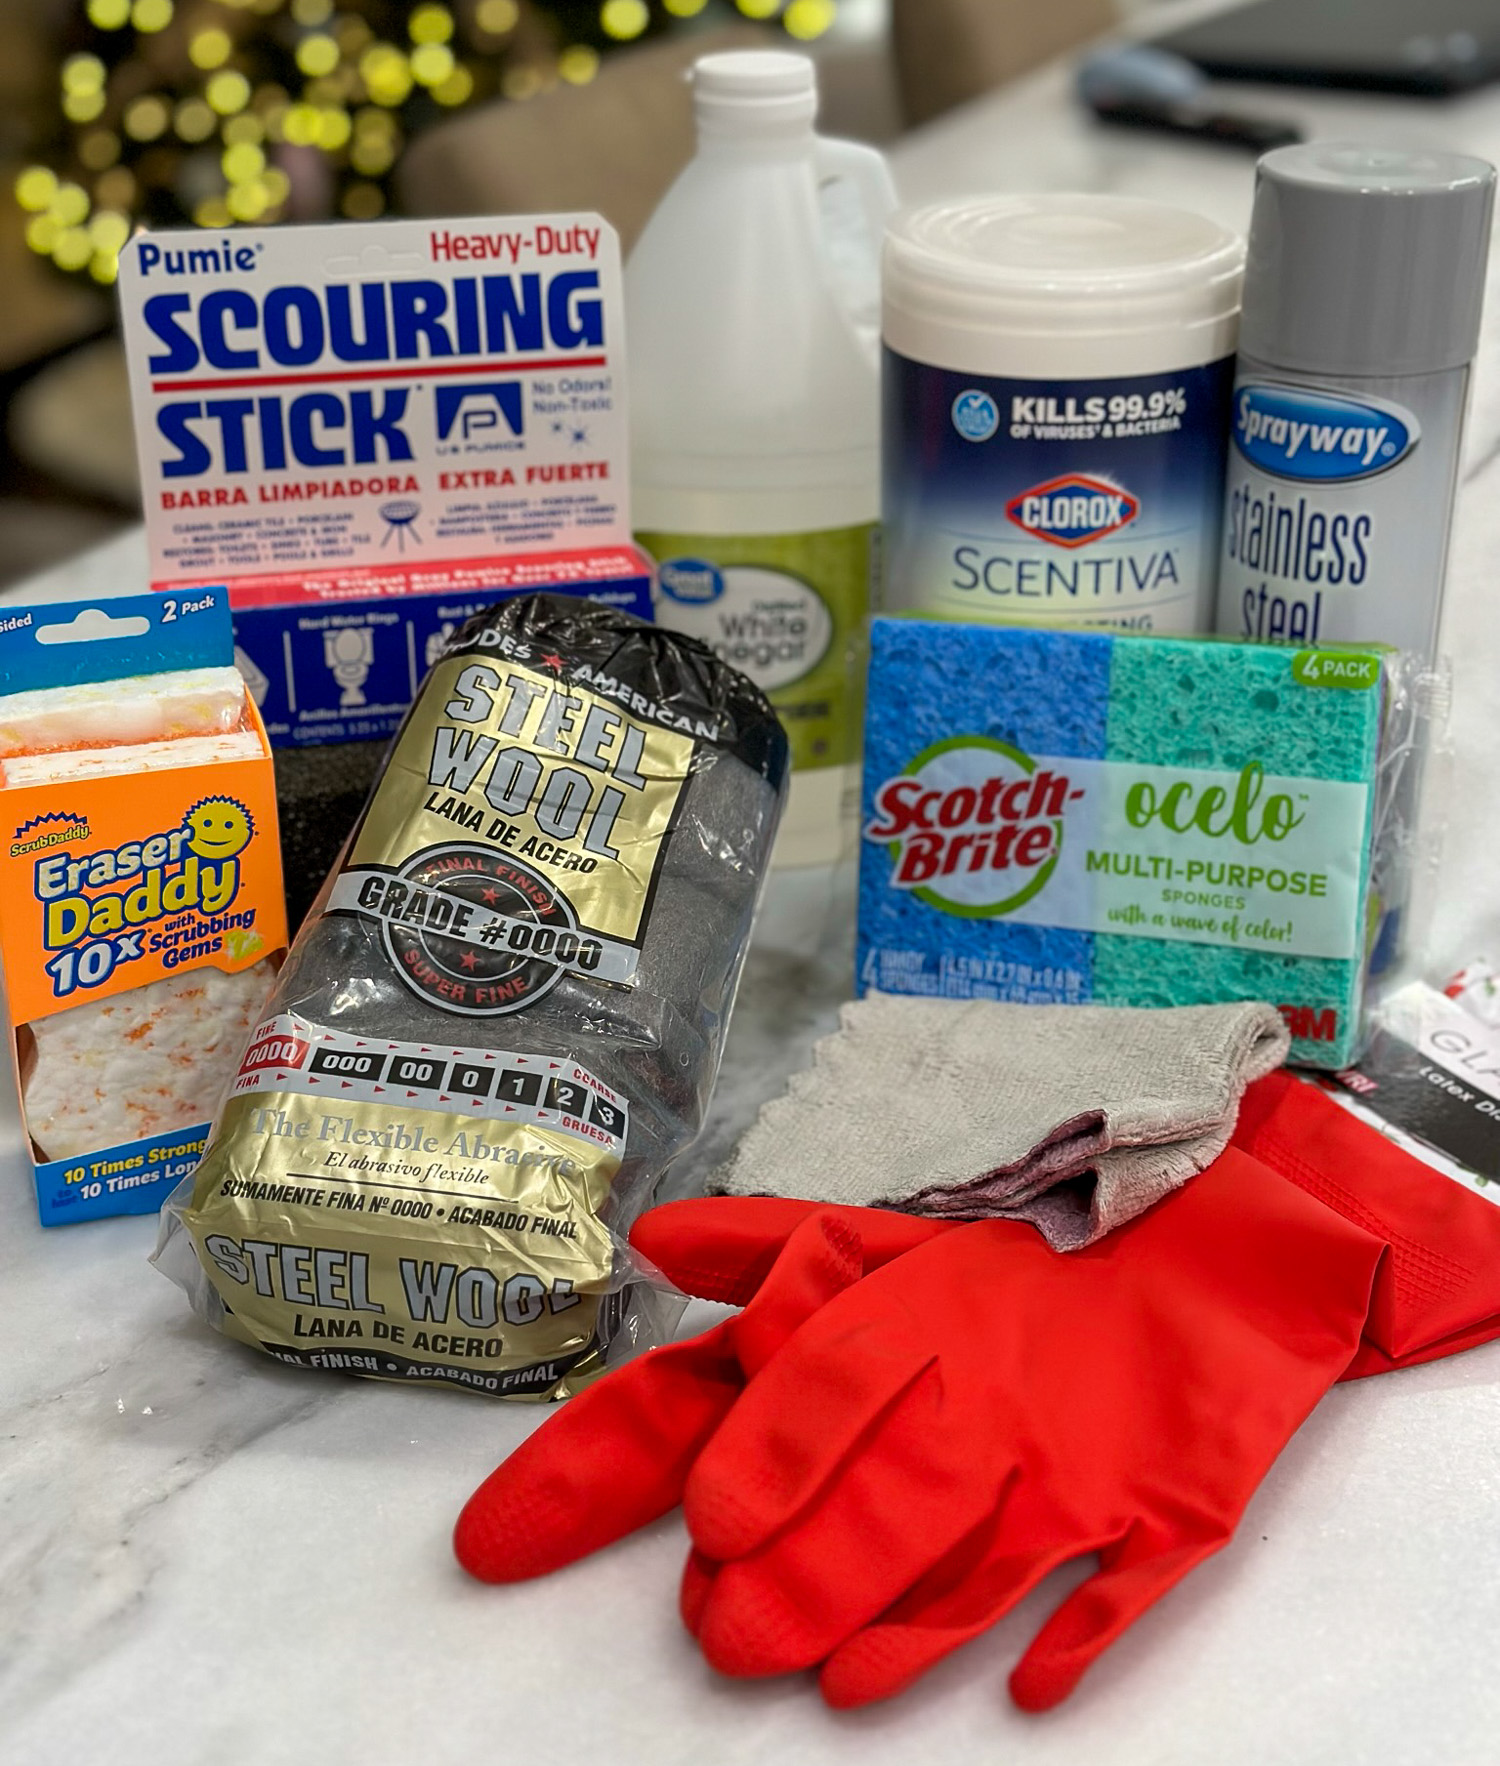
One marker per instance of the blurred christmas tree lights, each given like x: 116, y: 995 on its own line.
x: 223, y: 112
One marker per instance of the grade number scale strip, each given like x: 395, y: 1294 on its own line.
x: 286, y: 1053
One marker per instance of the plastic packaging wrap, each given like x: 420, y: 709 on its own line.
x: 1428, y: 1078
x: 1475, y: 988
x: 1410, y: 790
x: 502, y: 1019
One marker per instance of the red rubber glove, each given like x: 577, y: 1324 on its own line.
x: 617, y: 1456
x: 607, y: 1465
x: 941, y: 1435
x: 1437, y: 1291
x: 1439, y: 1288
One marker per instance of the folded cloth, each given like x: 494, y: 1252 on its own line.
x: 1076, y: 1118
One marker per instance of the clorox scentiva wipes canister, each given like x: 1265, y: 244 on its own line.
x: 1057, y: 372
x: 1363, y: 286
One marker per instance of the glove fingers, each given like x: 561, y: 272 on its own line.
x: 1134, y: 1575
x: 614, y: 1460
x: 697, y: 1584
x: 722, y: 1247
x: 822, y: 1256
x: 793, y: 1429
x: 894, y: 1510
x: 617, y: 1457
x: 982, y: 1579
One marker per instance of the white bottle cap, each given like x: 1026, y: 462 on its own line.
x: 753, y: 92
x: 1060, y: 286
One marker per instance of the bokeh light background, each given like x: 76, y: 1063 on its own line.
x: 220, y: 113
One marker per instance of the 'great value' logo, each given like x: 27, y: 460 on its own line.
x: 972, y: 826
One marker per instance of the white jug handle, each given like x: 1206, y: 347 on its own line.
x: 855, y: 200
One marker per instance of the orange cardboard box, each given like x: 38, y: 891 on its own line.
x: 141, y: 909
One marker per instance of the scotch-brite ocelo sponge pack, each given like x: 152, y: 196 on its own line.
x: 1061, y: 817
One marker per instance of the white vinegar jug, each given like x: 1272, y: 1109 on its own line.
x: 752, y: 323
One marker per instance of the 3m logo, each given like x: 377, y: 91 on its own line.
x: 1073, y: 510
x: 1310, y: 1024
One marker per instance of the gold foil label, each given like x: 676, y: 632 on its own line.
x: 345, y: 1225
x: 516, y: 835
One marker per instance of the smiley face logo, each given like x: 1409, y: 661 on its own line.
x: 218, y: 828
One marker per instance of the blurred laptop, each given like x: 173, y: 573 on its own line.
x: 1428, y: 47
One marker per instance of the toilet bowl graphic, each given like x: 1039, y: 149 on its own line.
x: 349, y: 654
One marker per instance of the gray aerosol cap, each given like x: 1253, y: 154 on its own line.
x: 1366, y: 260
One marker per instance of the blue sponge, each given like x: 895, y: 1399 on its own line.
x: 1056, y: 817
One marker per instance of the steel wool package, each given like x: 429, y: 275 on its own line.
x: 1063, y: 817
x: 501, y: 1021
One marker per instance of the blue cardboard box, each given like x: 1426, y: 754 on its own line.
x: 338, y: 657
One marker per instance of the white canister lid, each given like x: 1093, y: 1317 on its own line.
x: 1053, y: 286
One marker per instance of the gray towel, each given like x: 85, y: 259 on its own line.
x: 1076, y: 1118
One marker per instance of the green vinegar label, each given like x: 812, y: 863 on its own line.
x: 788, y: 610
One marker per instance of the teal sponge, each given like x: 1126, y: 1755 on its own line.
x: 1198, y: 704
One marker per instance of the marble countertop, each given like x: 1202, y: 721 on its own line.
x: 211, y: 1560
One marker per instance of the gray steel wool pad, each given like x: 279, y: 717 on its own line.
x: 319, y: 794
x: 501, y: 1020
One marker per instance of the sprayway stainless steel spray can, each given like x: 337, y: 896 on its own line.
x: 1363, y: 286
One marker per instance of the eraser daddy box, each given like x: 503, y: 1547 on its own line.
x: 140, y: 887
x: 314, y: 401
